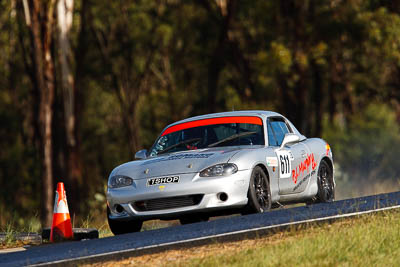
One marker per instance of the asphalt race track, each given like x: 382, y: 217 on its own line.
x: 233, y: 228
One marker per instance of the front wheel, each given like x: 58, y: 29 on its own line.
x: 123, y: 227
x: 259, y: 193
x: 326, y: 191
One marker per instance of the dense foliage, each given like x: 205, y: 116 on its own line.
x: 332, y: 67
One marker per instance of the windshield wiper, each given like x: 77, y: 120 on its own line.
x: 232, y: 137
x: 178, y: 144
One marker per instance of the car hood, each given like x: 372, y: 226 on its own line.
x: 176, y: 163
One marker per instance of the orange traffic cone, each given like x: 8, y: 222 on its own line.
x: 61, y: 227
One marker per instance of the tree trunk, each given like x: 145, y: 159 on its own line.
x: 75, y: 159
x: 131, y: 124
x: 301, y: 95
x: 217, y: 61
x: 334, y: 79
x: 41, y: 37
x: 64, y: 15
x: 74, y: 172
x: 291, y: 23
x: 318, y: 100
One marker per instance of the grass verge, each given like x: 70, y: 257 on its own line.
x: 372, y: 239
x: 13, y: 228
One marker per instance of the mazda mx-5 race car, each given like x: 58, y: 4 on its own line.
x: 223, y: 163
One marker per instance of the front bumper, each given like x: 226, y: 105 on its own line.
x: 234, y: 186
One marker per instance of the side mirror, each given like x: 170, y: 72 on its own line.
x: 289, y: 139
x: 141, y: 154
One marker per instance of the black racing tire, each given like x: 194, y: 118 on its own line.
x: 194, y: 218
x: 326, y: 190
x: 259, y: 192
x: 123, y: 227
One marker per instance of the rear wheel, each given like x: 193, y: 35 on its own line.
x: 326, y: 191
x: 259, y: 193
x: 123, y: 227
x: 193, y: 219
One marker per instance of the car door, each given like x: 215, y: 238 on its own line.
x: 289, y: 157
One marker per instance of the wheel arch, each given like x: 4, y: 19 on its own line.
x: 272, y: 181
x: 330, y: 164
x: 262, y: 166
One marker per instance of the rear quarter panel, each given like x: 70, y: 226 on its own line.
x: 322, y: 151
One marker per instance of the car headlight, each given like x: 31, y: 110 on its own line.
x: 119, y: 181
x: 223, y: 169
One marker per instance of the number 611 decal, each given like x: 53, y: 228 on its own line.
x: 284, y: 164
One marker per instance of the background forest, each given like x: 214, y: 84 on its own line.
x: 84, y: 84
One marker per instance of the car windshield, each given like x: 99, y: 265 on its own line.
x: 213, y: 132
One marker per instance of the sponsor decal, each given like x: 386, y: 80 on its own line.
x: 161, y: 187
x: 181, y: 156
x: 304, y: 180
x: 303, y: 167
x: 163, y: 180
x: 272, y: 161
x: 284, y: 163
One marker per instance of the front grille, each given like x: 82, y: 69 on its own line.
x: 167, y: 203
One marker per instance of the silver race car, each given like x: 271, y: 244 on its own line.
x: 224, y: 163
